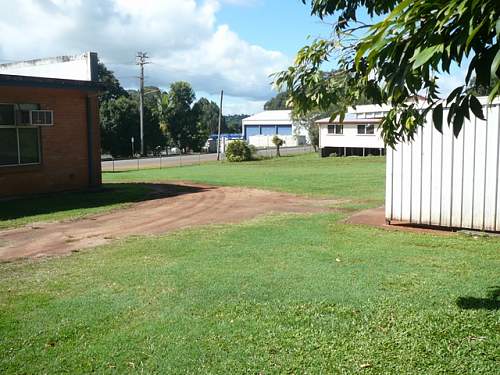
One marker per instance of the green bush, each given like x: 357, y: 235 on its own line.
x: 238, y: 151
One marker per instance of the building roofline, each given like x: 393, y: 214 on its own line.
x: 258, y: 116
x: 327, y: 120
x: 51, y: 83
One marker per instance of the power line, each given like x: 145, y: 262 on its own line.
x: 219, y: 125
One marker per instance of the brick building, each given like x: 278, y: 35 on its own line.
x: 49, y: 134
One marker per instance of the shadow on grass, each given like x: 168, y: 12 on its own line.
x: 108, y: 195
x: 491, y: 302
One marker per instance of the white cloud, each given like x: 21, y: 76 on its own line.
x: 236, y: 105
x: 182, y: 38
x: 241, y: 2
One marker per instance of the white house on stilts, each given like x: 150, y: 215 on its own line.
x: 357, y: 134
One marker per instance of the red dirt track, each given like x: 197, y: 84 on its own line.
x: 375, y: 217
x: 170, y: 207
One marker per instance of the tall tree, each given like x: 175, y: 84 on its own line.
x: 181, y: 120
x: 278, y: 102
x: 120, y: 122
x: 398, y: 58
x: 208, y: 115
x: 112, y: 87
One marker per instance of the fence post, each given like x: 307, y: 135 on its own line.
x: 113, y: 159
x: 160, y: 161
x: 137, y: 163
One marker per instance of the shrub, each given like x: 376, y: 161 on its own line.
x: 237, y: 151
x: 253, y: 150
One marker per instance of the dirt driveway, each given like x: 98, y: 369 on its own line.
x: 171, y: 207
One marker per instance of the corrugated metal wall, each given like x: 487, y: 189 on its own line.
x: 443, y: 180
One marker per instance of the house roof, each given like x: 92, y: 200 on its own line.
x: 52, y: 83
x: 279, y: 115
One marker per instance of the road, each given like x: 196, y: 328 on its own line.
x: 178, y: 161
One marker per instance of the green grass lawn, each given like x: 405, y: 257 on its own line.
x: 279, y: 294
x: 353, y: 178
x: 283, y: 294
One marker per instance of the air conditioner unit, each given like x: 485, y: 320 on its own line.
x: 42, y: 117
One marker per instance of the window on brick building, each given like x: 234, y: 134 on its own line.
x: 19, y: 140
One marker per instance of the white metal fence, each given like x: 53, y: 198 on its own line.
x: 443, y: 180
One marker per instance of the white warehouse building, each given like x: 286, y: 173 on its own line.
x: 258, y: 130
x: 357, y: 135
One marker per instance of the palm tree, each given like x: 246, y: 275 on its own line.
x: 278, y: 142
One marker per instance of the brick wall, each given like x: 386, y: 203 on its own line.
x: 64, y: 146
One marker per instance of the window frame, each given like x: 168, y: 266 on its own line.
x: 17, y: 127
x: 14, y: 113
x: 336, y: 128
x: 365, y: 129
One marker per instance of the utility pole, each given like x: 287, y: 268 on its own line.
x: 141, y: 61
x: 220, y: 122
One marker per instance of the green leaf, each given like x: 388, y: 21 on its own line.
x: 437, y: 117
x: 476, y: 107
x: 495, y: 64
x: 361, y: 52
x: 494, y: 92
x: 456, y: 92
x: 473, y: 33
x: 426, y: 54
x: 458, y: 122
x: 398, y: 9
x: 472, y: 66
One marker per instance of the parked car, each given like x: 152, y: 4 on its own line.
x: 106, y: 157
x: 174, y: 151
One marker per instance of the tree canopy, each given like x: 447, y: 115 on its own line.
x: 171, y: 118
x: 182, y: 118
x: 398, y: 58
x: 208, y: 115
x: 120, y: 122
x: 232, y: 123
x: 278, y: 102
x: 112, y: 87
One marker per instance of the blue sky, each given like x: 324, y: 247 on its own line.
x: 233, y: 45
x: 282, y: 25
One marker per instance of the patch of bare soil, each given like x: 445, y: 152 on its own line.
x: 375, y: 217
x: 171, y: 207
